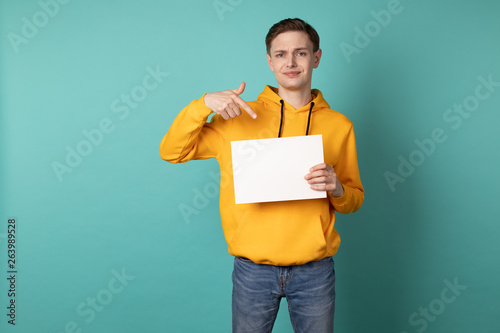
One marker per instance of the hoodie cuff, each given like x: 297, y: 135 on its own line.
x: 339, y: 202
x: 201, y: 110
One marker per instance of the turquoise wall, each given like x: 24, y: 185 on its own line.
x: 89, y: 88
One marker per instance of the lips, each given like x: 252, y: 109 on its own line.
x: 292, y: 73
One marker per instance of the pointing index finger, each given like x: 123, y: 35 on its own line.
x: 246, y: 107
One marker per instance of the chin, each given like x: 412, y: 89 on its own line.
x: 292, y: 83
x: 292, y: 86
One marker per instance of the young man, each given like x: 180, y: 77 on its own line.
x: 281, y: 249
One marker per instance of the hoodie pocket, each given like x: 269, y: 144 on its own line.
x: 239, y: 228
x: 279, y: 237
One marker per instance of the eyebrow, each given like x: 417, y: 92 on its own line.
x: 297, y: 49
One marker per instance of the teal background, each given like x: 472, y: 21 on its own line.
x: 119, y: 208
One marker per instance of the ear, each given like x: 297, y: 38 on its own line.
x: 270, y: 62
x: 317, y: 57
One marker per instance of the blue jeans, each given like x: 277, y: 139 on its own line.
x: 258, y: 289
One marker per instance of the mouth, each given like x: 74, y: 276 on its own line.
x: 292, y: 73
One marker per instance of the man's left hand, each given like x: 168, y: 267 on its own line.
x: 322, y: 177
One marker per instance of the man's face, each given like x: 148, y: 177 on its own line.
x: 292, y: 60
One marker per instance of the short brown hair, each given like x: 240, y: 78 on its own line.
x: 295, y: 24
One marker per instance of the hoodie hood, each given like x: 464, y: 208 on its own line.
x: 270, y: 97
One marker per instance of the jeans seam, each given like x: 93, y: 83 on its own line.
x: 274, y: 318
x: 289, y: 275
x: 291, y: 317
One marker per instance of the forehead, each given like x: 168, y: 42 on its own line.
x: 291, y: 40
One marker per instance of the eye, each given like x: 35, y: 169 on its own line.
x: 279, y: 55
x: 302, y: 54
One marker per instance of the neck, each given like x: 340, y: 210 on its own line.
x: 296, y: 98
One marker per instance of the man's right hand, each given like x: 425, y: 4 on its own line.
x: 227, y: 103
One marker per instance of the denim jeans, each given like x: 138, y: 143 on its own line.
x: 258, y: 289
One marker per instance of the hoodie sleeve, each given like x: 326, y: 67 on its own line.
x: 190, y: 137
x: 348, y: 175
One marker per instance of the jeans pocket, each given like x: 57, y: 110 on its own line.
x: 243, y: 259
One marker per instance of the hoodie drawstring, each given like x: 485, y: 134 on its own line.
x: 281, y: 121
x: 308, y: 118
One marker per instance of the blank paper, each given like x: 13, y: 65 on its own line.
x: 273, y: 169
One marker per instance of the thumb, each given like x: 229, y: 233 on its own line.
x: 240, y: 89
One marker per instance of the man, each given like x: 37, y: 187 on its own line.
x: 281, y: 249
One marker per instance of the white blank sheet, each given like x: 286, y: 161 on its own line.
x: 274, y: 169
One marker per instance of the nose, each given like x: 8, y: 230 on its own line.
x: 291, y: 60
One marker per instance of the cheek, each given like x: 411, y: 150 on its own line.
x: 277, y: 64
x: 271, y: 65
x: 309, y: 64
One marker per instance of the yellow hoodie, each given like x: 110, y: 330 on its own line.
x: 276, y: 233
